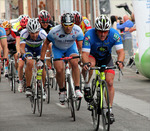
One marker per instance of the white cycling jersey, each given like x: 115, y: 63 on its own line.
x: 62, y: 40
x: 25, y: 38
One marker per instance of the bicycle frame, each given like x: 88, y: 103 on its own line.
x: 100, y: 76
x: 68, y: 76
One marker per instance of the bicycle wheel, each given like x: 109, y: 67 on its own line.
x: 78, y: 101
x: 33, y: 98
x: 13, y: 77
x: 40, y: 96
x: 71, y: 99
x: 96, y: 109
x: 33, y: 103
x: 0, y: 70
x: 105, y: 108
x: 47, y: 86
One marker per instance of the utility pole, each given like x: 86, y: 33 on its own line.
x: 7, y: 10
x: 20, y: 5
x: 29, y: 8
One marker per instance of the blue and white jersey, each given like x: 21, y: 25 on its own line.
x: 63, y: 41
x: 25, y: 38
x: 2, y: 33
x: 101, y: 49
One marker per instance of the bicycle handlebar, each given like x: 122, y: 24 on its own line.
x: 66, y: 58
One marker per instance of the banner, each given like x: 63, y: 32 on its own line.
x: 142, y: 20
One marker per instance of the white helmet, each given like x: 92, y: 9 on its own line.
x: 33, y: 25
x: 22, y: 16
x: 102, y: 23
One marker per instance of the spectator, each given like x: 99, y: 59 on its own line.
x: 127, y: 37
x: 114, y: 22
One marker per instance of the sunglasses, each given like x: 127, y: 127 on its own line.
x: 68, y: 25
x: 7, y: 29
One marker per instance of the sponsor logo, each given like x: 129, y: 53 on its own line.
x: 106, y: 43
x: 61, y: 35
x: 87, y: 22
x: 147, y: 34
x: 102, y: 49
x: 73, y: 36
x: 86, y: 43
x: 116, y: 36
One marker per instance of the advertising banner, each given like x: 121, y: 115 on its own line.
x: 142, y: 20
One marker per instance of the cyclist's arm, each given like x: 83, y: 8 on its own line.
x: 44, y: 48
x: 4, y: 46
x: 121, y: 56
x: 18, y: 44
x: 80, y: 46
x: 22, y: 48
x: 85, y: 57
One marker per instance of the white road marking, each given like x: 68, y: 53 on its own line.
x: 136, y: 105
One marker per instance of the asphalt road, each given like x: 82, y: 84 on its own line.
x: 131, y: 109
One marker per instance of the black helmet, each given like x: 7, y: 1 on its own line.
x: 67, y: 19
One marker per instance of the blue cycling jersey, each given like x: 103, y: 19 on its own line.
x: 101, y: 49
x: 2, y: 33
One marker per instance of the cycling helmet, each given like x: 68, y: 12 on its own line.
x: 77, y: 17
x: 33, y: 25
x: 6, y: 24
x: 102, y: 23
x: 21, y: 16
x: 44, y: 16
x: 67, y: 19
x: 24, y: 22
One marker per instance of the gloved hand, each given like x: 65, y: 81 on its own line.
x: 40, y: 63
x: 28, y: 54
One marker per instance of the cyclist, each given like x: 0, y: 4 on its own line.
x: 12, y: 40
x: 3, y: 43
x: 17, y: 26
x: 81, y: 21
x: 47, y: 25
x: 31, y: 42
x: 23, y: 24
x: 96, y: 51
x: 63, y: 37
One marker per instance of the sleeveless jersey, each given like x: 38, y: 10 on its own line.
x: 62, y: 40
x: 101, y: 49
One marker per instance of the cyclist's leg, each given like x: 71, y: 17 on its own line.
x: 59, y: 66
x: 28, y: 71
x: 20, y: 74
x: 60, y: 74
x: 110, y: 74
x: 110, y: 79
x: 87, y: 88
x: 73, y: 51
x: 20, y: 69
x: 48, y: 54
x: 16, y: 64
x: 93, y: 63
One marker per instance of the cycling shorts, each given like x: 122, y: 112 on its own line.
x: 58, y: 53
x: 12, y: 47
x: 108, y: 62
x: 35, y: 51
